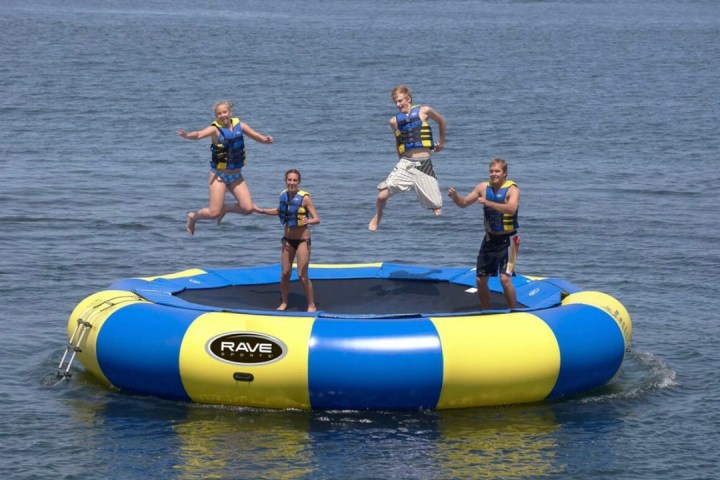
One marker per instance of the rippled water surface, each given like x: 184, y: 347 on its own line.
x: 607, y: 112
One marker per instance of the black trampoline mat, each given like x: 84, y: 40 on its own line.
x: 355, y: 296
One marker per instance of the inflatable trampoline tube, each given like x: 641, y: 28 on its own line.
x: 386, y: 337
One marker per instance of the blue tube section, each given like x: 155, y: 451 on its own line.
x: 591, y: 347
x: 138, y: 349
x: 374, y: 364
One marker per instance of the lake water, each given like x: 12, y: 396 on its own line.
x: 607, y: 112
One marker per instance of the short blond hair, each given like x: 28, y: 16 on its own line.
x: 400, y: 90
x: 501, y: 162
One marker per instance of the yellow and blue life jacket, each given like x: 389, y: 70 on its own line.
x: 229, y: 152
x: 291, y: 210
x: 497, y: 222
x: 412, y: 132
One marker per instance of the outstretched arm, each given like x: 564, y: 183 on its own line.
x: 468, y: 199
x: 255, y: 135
x: 197, y: 134
x: 265, y: 211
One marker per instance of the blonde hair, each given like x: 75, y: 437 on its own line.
x: 501, y: 162
x: 400, y: 90
x: 227, y: 103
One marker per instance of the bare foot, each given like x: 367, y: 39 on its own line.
x: 282, y: 307
x: 190, y: 225
x: 312, y: 308
x: 373, y: 224
x: 437, y: 211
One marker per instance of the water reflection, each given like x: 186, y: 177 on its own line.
x: 191, y: 441
x: 126, y: 434
x: 510, y: 442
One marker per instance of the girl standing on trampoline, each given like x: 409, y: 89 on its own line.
x: 296, y: 211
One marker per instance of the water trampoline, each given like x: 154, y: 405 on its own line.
x: 386, y: 336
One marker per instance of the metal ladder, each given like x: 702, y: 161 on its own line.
x: 83, y: 327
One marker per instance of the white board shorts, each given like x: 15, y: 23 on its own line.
x: 418, y: 175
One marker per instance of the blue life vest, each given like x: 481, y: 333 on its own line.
x: 497, y: 222
x: 229, y: 152
x: 412, y: 132
x: 291, y: 210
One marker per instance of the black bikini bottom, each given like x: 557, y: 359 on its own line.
x: 295, y: 242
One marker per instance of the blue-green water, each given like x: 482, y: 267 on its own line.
x: 608, y: 113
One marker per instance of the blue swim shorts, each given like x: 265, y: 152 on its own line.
x: 227, y: 178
